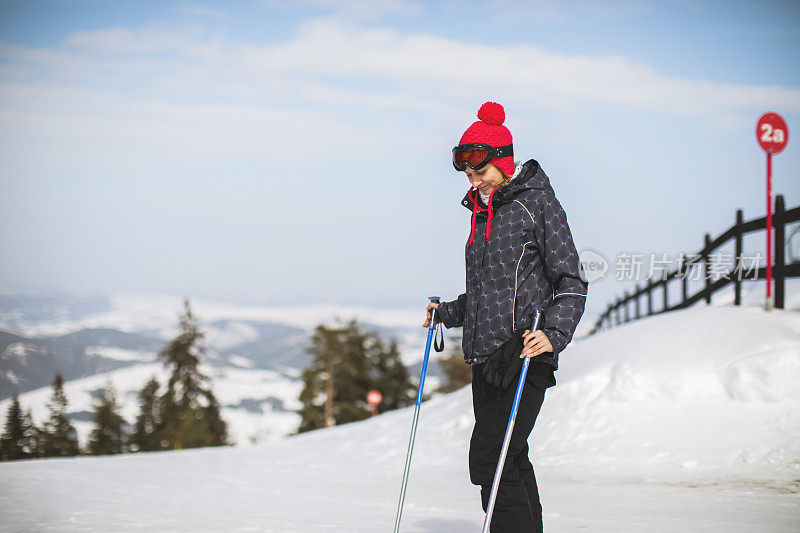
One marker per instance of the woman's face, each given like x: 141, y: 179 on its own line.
x: 486, y: 179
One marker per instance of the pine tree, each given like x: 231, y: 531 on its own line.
x: 109, y: 434
x: 21, y: 437
x: 390, y: 376
x: 457, y: 372
x: 350, y: 397
x: 32, y: 436
x: 349, y: 362
x: 337, y: 381
x: 12, y: 441
x: 318, y: 380
x: 59, y: 436
x: 145, y: 436
x: 189, y: 414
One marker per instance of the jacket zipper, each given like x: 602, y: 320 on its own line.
x: 514, y: 301
x: 480, y: 291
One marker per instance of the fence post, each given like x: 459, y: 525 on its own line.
x: 737, y: 282
x: 706, y: 253
x: 666, y: 304
x: 649, y: 298
x: 779, y: 224
x: 625, y: 303
x: 682, y: 270
x: 638, y: 315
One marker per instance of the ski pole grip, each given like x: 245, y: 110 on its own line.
x: 536, y: 321
x: 434, y: 318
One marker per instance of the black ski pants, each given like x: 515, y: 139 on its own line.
x: 517, y: 509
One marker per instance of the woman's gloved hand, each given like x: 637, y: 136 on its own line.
x: 504, y: 364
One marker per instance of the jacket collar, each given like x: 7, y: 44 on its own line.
x: 530, y: 177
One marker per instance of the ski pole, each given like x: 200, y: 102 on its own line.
x: 537, y: 315
x: 431, y: 328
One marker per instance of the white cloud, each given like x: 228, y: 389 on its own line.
x: 562, y: 10
x: 135, y: 90
x: 191, y: 42
x: 356, y: 9
x: 201, y: 10
x: 411, y: 64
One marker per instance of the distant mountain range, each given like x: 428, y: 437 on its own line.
x: 254, y: 354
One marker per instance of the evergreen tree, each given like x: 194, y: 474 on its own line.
x: 390, y: 376
x: 144, y: 437
x: 109, y: 434
x: 457, y: 372
x: 336, y: 379
x: 19, y: 438
x: 33, y: 436
x: 317, y: 393
x: 349, y: 362
x: 189, y: 414
x: 350, y: 396
x: 59, y: 438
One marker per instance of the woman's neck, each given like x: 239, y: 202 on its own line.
x: 485, y: 197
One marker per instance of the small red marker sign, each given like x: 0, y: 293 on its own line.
x: 772, y: 133
x: 374, y: 397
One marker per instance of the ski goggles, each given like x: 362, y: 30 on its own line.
x: 477, y: 155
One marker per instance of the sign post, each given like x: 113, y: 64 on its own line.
x: 772, y: 135
x: 374, y: 398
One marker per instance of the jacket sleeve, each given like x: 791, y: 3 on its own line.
x: 563, y: 269
x: 452, y: 313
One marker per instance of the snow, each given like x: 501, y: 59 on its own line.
x: 137, y: 312
x: 258, y: 404
x: 120, y: 354
x: 233, y: 334
x: 241, y: 361
x: 688, y: 420
x: 18, y: 350
x: 236, y: 389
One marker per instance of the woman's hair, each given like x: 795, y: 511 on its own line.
x: 516, y: 164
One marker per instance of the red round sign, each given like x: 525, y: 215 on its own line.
x: 772, y: 133
x: 374, y: 397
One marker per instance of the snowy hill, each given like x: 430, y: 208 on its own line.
x: 684, y: 421
x: 254, y: 354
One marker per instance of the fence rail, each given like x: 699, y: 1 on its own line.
x: 617, y: 312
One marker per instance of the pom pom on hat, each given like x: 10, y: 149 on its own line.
x: 490, y: 130
x: 492, y: 113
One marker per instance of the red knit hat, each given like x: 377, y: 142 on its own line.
x: 490, y: 130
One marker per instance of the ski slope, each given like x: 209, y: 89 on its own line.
x: 685, y: 421
x: 259, y: 404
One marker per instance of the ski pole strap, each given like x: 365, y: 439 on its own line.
x: 438, y: 341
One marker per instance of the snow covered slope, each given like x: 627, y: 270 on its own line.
x: 686, y: 421
x: 255, y: 354
x: 258, y: 404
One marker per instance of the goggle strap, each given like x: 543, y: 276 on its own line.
x: 495, y: 151
x: 505, y: 151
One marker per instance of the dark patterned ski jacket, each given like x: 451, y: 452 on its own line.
x: 529, y: 258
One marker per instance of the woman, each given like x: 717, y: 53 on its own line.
x: 519, y: 252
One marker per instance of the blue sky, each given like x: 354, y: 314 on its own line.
x: 299, y: 152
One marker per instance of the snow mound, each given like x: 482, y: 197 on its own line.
x: 703, y: 395
x: 770, y: 376
x: 692, y: 410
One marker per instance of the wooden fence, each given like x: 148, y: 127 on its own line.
x: 618, y: 311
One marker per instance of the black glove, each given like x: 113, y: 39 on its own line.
x: 504, y: 364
